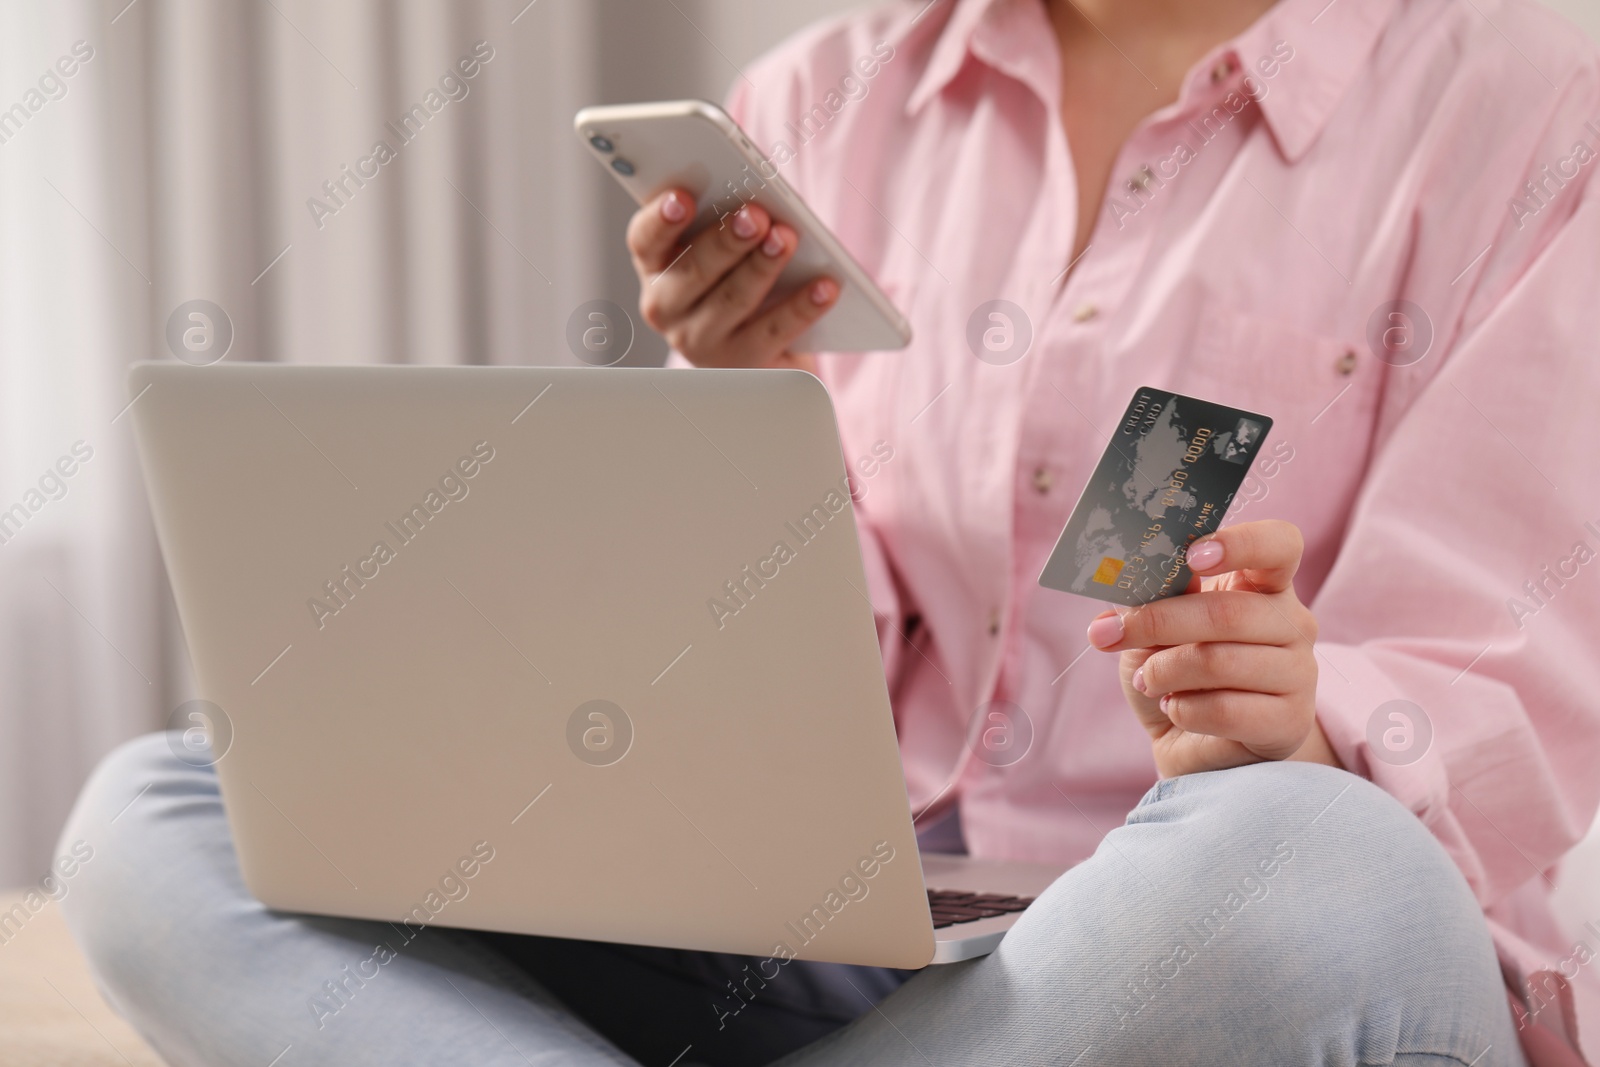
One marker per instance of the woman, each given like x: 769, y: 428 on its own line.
x: 1361, y: 747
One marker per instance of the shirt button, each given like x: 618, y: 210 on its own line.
x: 1142, y: 181
x: 1224, y: 70
x: 1346, y: 364
x: 1084, y: 312
x: 1042, y: 479
x: 994, y: 623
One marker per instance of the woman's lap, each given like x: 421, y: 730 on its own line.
x: 1276, y: 914
x: 1279, y: 913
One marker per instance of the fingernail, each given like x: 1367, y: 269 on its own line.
x: 1205, y: 555
x: 744, y: 227
x: 1138, y: 679
x: 673, y: 209
x: 1166, y: 702
x: 823, y: 292
x: 773, y: 245
x: 1106, y: 631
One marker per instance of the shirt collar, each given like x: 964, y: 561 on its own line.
x: 995, y: 32
x: 1329, y: 42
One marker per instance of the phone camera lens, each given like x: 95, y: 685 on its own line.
x: 601, y: 142
x: 622, y: 167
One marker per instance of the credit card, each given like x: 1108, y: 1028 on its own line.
x: 1166, y: 478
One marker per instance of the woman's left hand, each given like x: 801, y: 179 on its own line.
x: 1226, y: 674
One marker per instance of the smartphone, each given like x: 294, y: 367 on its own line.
x: 694, y: 145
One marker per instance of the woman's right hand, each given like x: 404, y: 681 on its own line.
x: 704, y: 299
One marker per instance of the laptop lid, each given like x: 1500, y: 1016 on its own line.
x: 567, y: 651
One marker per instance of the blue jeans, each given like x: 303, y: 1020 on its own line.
x: 1276, y: 914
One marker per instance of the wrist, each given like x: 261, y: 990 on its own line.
x: 797, y: 361
x: 1317, y: 749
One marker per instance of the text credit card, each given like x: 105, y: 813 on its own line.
x: 1166, y: 478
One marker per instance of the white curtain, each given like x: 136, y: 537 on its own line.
x: 175, y: 162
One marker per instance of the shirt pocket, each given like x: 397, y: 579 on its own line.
x: 1322, y: 394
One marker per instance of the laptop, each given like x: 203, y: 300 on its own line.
x: 578, y: 652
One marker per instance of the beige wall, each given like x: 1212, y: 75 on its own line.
x: 1586, y: 13
x: 744, y: 30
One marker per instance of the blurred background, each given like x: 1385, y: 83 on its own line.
x: 185, y: 158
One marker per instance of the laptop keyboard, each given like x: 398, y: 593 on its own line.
x: 952, y: 906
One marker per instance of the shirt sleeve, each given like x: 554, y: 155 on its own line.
x: 749, y: 107
x: 1468, y: 585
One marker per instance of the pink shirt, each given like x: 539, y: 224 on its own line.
x: 1333, y: 158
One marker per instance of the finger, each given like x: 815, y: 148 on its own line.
x: 1211, y: 615
x: 1269, y: 726
x: 1265, y: 552
x: 736, y: 297
x: 669, y: 295
x: 654, y: 229
x: 1224, y: 665
x: 1145, y: 708
x: 778, y: 327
